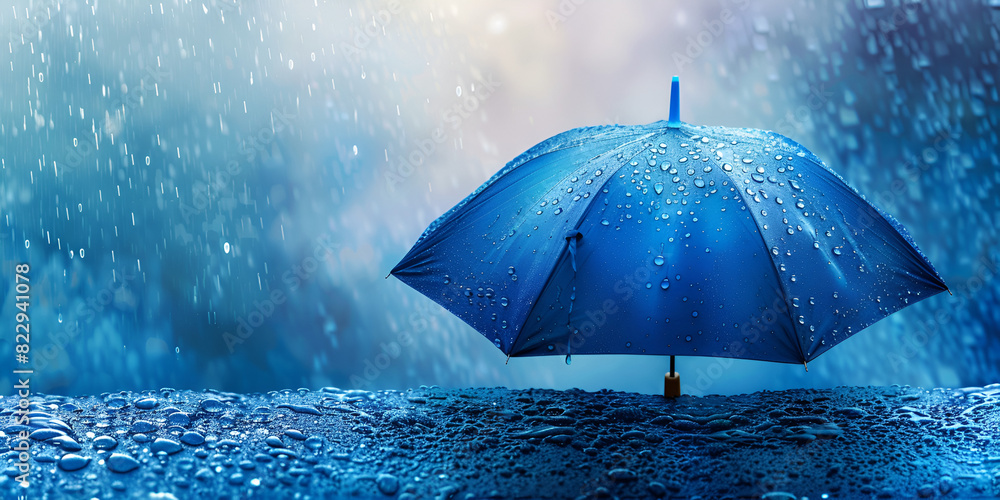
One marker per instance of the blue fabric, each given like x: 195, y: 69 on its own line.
x: 688, y: 240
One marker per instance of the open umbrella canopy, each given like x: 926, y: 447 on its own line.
x: 668, y: 238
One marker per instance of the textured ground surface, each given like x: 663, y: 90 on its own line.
x: 867, y: 442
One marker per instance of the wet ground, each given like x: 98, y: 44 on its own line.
x: 857, y: 442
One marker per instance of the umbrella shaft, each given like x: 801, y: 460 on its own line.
x: 671, y: 366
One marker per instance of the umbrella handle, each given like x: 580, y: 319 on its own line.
x: 672, y: 382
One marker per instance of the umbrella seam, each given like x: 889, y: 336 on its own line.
x: 576, y: 227
x: 781, y: 285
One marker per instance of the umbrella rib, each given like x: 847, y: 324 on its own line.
x: 781, y: 285
x: 583, y: 216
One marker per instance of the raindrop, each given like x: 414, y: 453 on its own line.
x: 747, y: 160
x: 799, y: 204
x: 694, y: 314
x: 147, y: 160
x: 551, y: 347
x: 604, y: 222
x: 447, y: 279
x: 658, y: 187
x: 510, y: 270
x: 558, y: 211
x: 458, y: 91
x: 699, y: 182
x: 682, y: 160
x: 665, y: 284
x: 658, y: 260
x: 569, y: 360
x: 291, y: 64
x: 504, y: 302
x: 791, y: 231
x: 727, y: 167
x: 225, y: 247
x: 628, y: 345
x: 707, y: 169
x: 355, y: 150
x: 688, y: 338
x: 652, y: 163
x: 836, y: 251
x: 778, y: 201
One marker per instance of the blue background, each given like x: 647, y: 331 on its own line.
x: 210, y: 194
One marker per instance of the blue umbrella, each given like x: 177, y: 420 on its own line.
x: 668, y: 239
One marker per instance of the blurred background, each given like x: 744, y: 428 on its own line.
x: 210, y: 193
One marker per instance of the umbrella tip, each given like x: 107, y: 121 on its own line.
x: 675, y: 102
